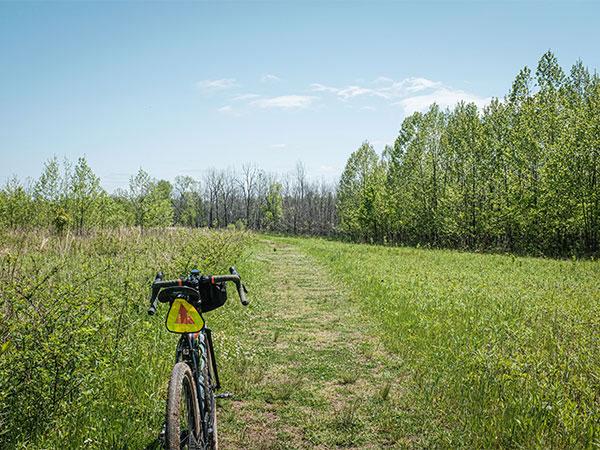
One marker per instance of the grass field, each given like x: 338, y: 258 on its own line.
x: 496, y: 351
x: 343, y: 346
x: 372, y: 347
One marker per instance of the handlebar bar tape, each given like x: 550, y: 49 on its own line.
x: 155, y: 289
x: 234, y: 272
x: 242, y: 291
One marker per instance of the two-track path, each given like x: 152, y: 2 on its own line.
x: 321, y: 380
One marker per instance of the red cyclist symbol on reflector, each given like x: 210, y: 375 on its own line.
x: 183, y: 317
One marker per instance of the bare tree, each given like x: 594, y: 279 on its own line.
x: 300, y: 188
x: 182, y: 188
x: 248, y: 184
x: 213, y: 183
x: 229, y: 184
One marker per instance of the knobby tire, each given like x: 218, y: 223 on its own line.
x: 183, y: 417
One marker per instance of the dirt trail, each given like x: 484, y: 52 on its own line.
x: 320, y: 380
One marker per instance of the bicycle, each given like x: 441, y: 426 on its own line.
x: 191, y: 420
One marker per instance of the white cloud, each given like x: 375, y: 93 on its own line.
x: 269, y: 77
x: 278, y: 146
x: 225, y: 109
x: 403, y: 93
x: 320, y: 88
x: 386, y: 88
x: 217, y: 85
x: 368, y: 108
x: 347, y: 92
x: 383, y: 80
x: 420, y: 84
x: 355, y: 91
x: 445, y: 98
x: 246, y: 97
x: 286, y: 102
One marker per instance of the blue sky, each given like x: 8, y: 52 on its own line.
x: 176, y: 88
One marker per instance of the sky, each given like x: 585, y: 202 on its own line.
x: 177, y: 88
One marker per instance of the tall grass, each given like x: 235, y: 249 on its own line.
x: 498, y: 351
x: 81, y: 364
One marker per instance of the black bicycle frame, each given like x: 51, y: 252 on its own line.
x: 211, y: 349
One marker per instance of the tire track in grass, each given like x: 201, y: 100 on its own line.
x: 321, y: 380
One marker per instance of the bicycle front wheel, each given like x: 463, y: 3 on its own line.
x: 183, y: 418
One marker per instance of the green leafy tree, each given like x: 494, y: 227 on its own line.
x: 85, y: 194
x: 272, y: 209
x: 496, y: 139
x: 521, y: 175
x: 579, y: 165
x: 360, y: 194
x: 48, y: 193
x: 150, y: 201
x: 17, y: 207
x: 415, y: 180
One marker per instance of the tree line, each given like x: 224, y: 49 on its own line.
x: 520, y: 175
x: 70, y: 197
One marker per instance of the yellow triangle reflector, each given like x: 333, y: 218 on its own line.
x: 183, y: 317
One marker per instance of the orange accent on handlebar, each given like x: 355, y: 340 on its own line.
x: 212, y: 279
x: 179, y: 280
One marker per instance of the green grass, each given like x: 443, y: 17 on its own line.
x: 496, y: 351
x: 342, y: 346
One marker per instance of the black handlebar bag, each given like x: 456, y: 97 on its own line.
x: 212, y: 296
